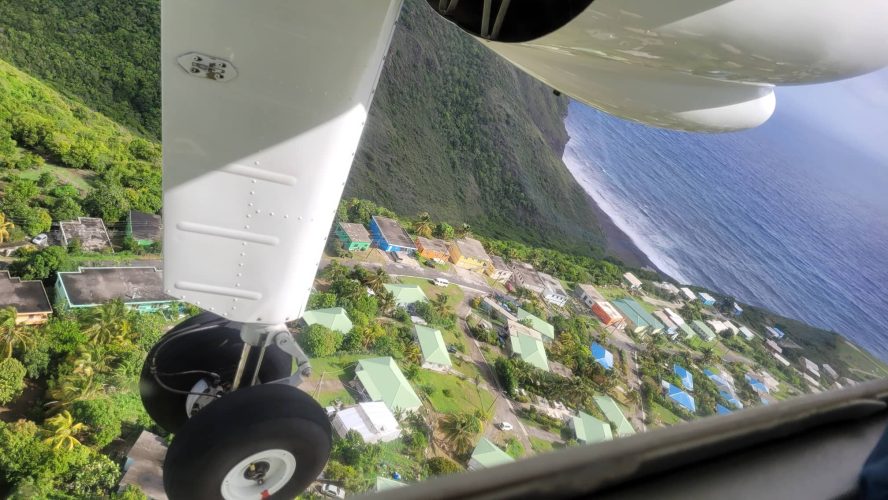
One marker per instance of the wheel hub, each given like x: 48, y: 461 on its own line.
x: 256, y: 471
x: 259, y: 475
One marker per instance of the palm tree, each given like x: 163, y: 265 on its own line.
x: 440, y: 305
x: 5, y: 226
x: 62, y: 431
x: 369, y: 334
x: 91, y: 360
x: 412, y: 354
x: 75, y: 387
x: 110, y: 322
x: 460, y: 430
x: 386, y: 301
x: 423, y: 226
x: 708, y: 355
x: 12, y: 334
x: 376, y: 280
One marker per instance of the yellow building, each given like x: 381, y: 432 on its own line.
x: 27, y: 297
x: 468, y: 253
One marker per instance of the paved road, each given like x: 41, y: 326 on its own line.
x: 416, y: 271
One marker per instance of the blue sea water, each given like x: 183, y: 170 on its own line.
x: 780, y: 216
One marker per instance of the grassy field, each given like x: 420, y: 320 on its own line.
x: 328, y: 397
x: 74, y: 177
x: 540, y: 445
x: 663, y: 415
x: 612, y: 292
x: 335, y: 366
x: 452, y: 336
x: 464, y: 395
x: 454, y: 293
x: 466, y: 367
x: 394, y: 459
x: 860, y: 359
x: 514, y: 448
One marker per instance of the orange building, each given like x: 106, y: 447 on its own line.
x: 432, y: 248
x: 607, y: 313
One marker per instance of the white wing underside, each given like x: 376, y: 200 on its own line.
x: 254, y: 166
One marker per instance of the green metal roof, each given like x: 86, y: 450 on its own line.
x: 333, y: 318
x: 384, y: 483
x: 687, y: 330
x: 704, y: 330
x: 489, y: 455
x: 613, y: 413
x: 634, y: 312
x: 383, y: 381
x: 530, y: 350
x: 406, y: 294
x: 546, y: 329
x: 589, y: 429
x: 432, y: 345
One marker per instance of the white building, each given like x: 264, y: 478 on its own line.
x: 780, y: 359
x: 688, y: 294
x: 553, y: 292
x: 774, y: 347
x: 830, y: 371
x: 664, y: 318
x: 525, y: 276
x: 810, y: 366
x: 811, y: 380
x: 718, y: 326
x: 373, y: 421
x: 731, y: 326
x: 632, y: 281
x: 144, y: 466
x: 667, y: 287
x: 589, y: 294
x: 747, y: 333
x: 674, y: 316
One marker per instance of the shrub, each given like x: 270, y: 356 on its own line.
x: 320, y: 341
x: 12, y: 379
x: 439, y: 466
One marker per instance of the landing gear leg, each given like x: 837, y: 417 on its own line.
x: 229, y: 393
x: 266, y: 441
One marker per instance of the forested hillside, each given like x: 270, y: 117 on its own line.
x: 453, y: 131
x: 103, y: 51
x: 62, y: 160
x: 458, y: 132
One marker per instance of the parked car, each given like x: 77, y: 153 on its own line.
x: 441, y: 282
x: 41, y: 239
x: 330, y: 490
x: 451, y: 349
x: 504, y: 426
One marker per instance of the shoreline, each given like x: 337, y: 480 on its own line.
x: 618, y: 244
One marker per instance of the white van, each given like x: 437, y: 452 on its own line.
x: 441, y: 282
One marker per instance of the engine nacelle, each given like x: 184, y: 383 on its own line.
x: 702, y: 65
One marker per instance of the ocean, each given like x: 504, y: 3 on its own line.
x: 781, y: 216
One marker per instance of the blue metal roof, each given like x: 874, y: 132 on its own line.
x: 683, y: 399
x: 731, y: 399
x: 687, y: 379
x: 721, y: 410
x: 757, y: 385
x: 718, y: 380
x: 602, y: 356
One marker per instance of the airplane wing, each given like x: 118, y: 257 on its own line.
x: 260, y: 125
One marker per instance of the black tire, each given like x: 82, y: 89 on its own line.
x: 204, y: 342
x: 241, y: 424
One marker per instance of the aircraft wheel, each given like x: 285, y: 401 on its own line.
x: 266, y: 441
x: 203, y: 344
